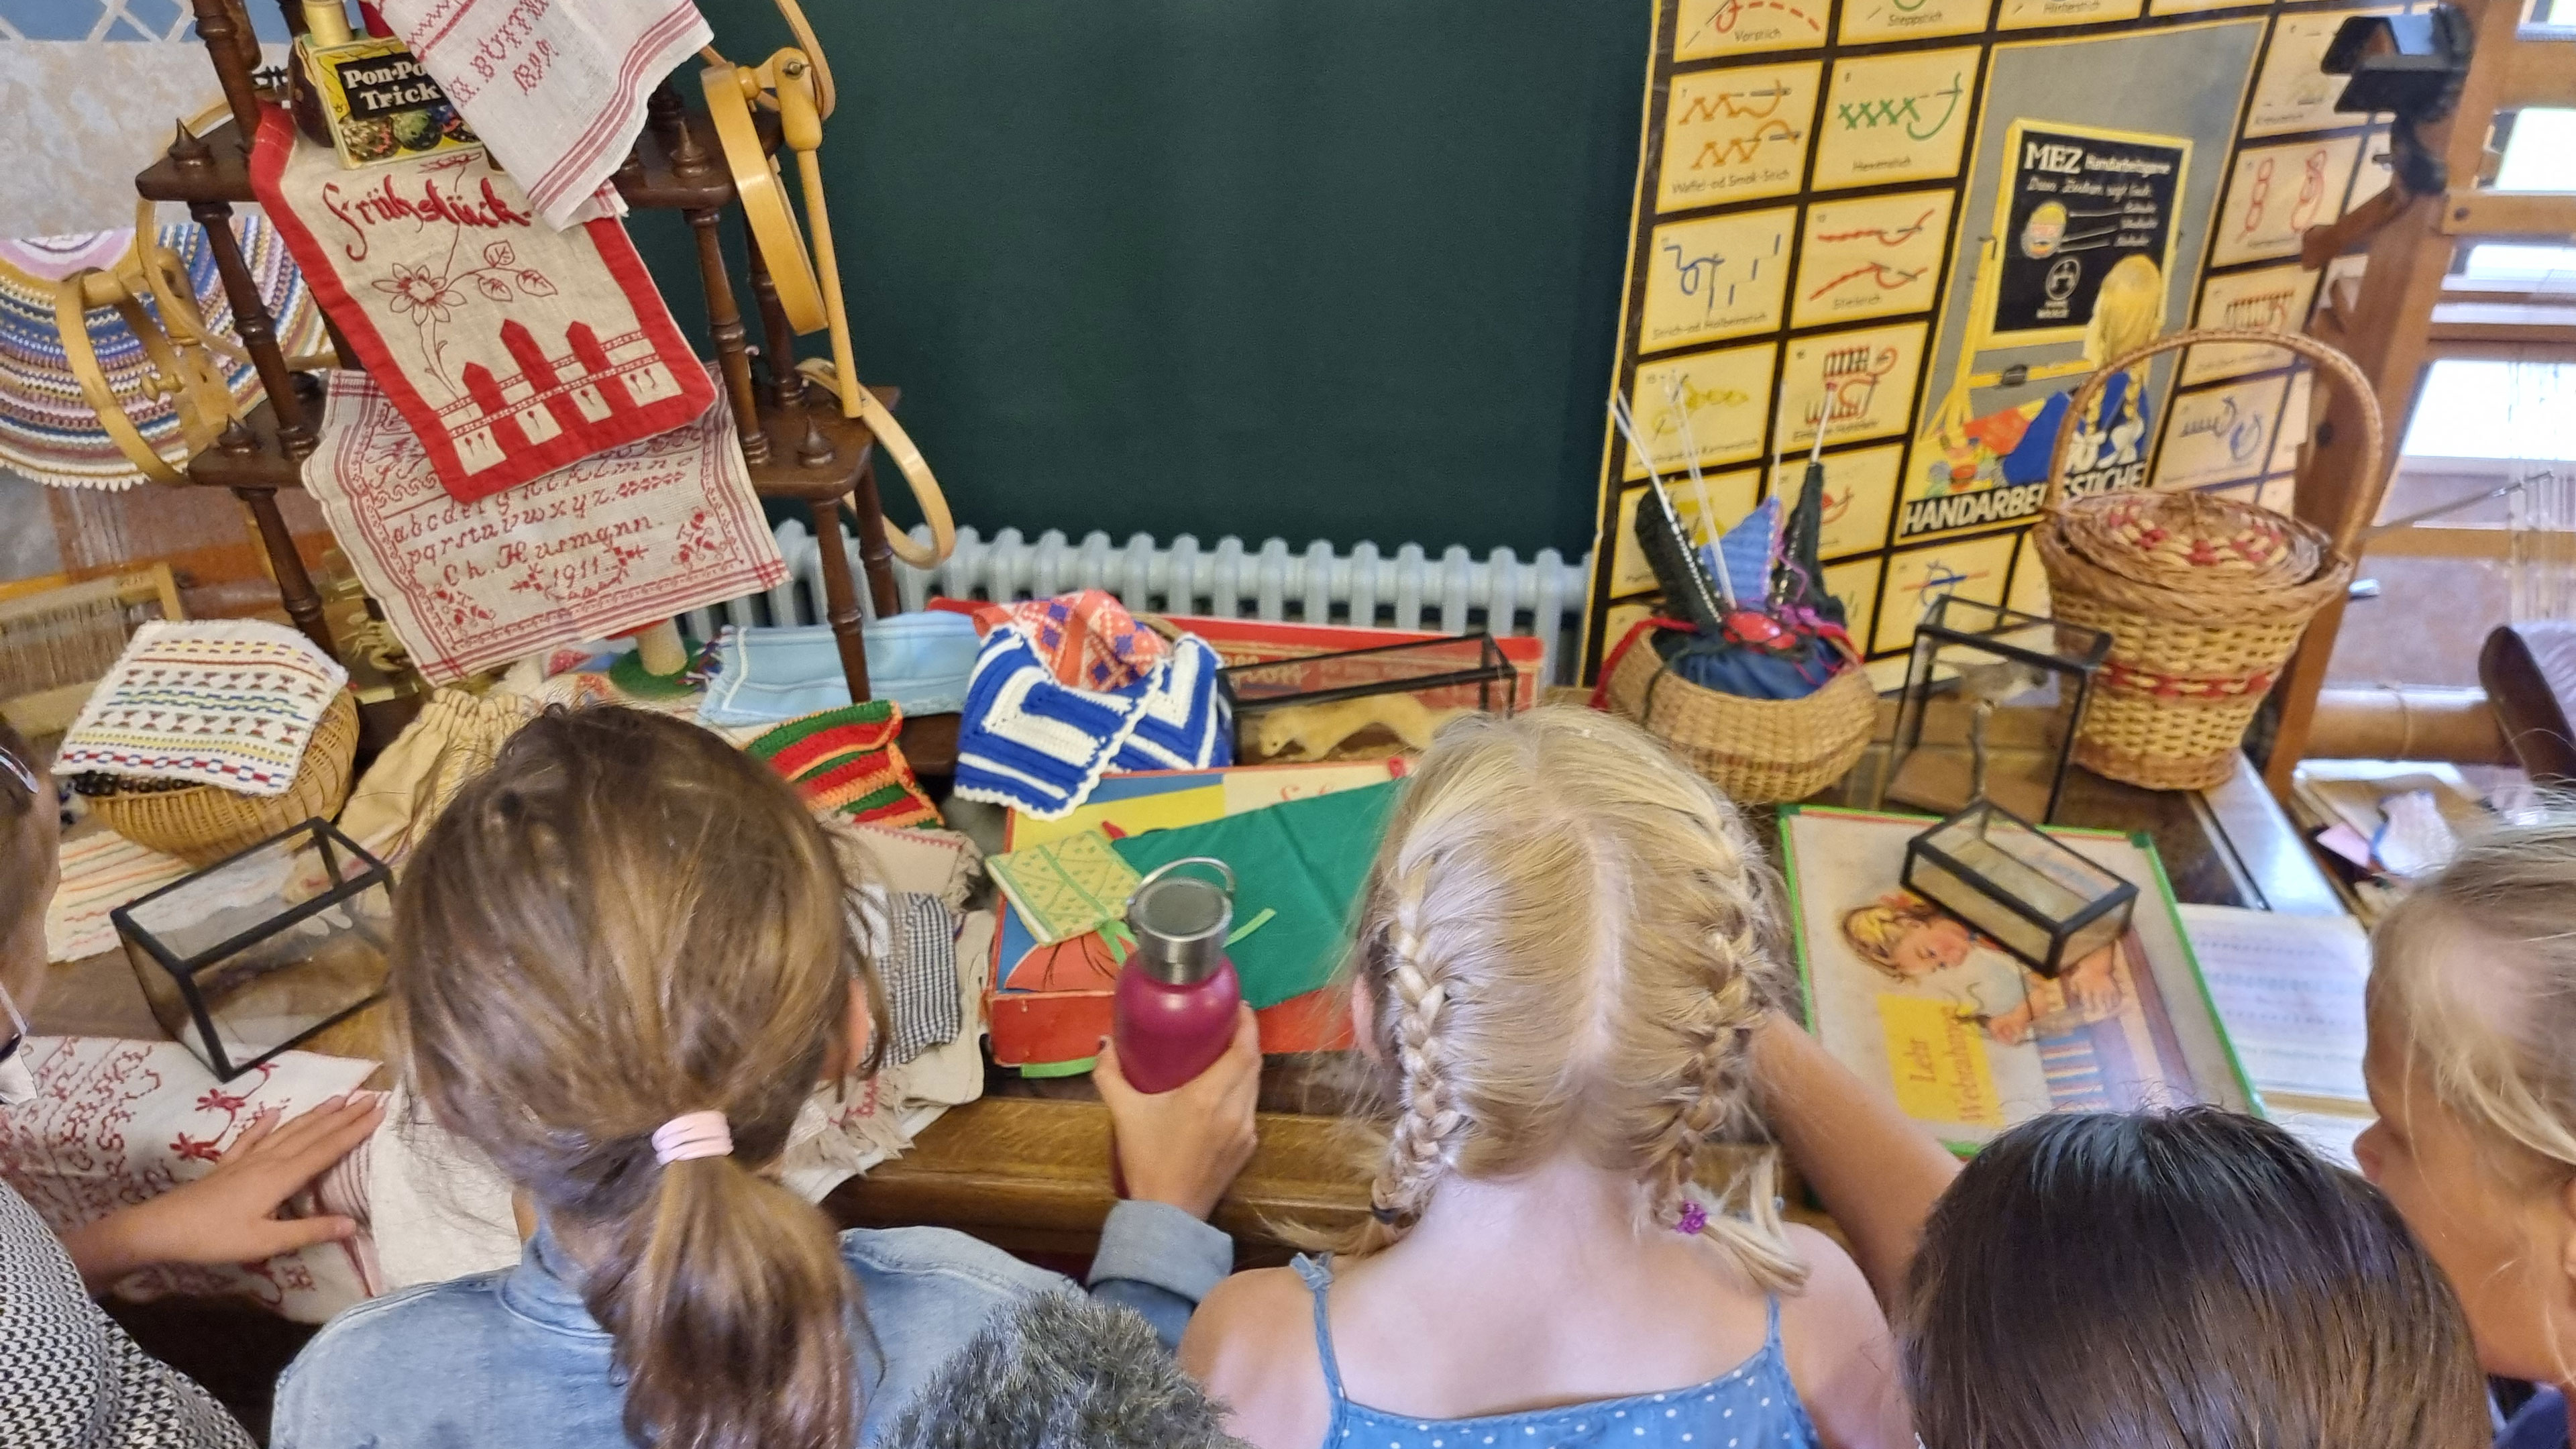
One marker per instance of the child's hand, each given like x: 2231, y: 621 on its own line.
x: 230, y: 1214
x: 2013, y: 1027
x: 1185, y: 1146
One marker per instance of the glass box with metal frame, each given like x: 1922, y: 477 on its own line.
x: 262, y: 949
x: 1992, y: 700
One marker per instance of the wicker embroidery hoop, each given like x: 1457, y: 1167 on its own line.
x: 2204, y: 598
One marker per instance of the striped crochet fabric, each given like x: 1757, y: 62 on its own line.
x: 846, y: 762
x: 1038, y: 745
x: 226, y: 702
x: 48, y: 430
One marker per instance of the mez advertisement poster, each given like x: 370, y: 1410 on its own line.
x: 1917, y: 227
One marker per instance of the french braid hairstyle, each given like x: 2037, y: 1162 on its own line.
x: 1567, y: 939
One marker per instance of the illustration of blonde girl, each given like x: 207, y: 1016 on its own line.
x: 1932, y: 953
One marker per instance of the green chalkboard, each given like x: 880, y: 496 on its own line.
x: 1336, y: 269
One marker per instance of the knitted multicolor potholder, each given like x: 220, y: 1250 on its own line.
x: 1089, y: 639
x: 846, y: 762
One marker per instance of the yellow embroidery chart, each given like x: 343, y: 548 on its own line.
x: 1900, y: 117
x: 1723, y: 394
x: 1708, y: 29
x: 1838, y: 226
x: 1866, y: 20
x: 2223, y: 435
x: 1858, y: 385
x: 2277, y: 192
x: 1718, y: 277
x: 1878, y: 257
x: 2272, y: 298
x: 1736, y: 134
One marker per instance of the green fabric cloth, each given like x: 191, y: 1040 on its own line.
x: 1305, y: 860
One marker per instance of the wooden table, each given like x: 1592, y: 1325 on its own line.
x: 1027, y: 1167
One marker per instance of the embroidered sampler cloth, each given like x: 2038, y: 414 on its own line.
x: 848, y: 762
x: 612, y: 543
x: 228, y: 702
x: 511, y: 349
x: 1039, y: 745
x: 1066, y: 887
x: 555, y: 90
x: 119, y: 1122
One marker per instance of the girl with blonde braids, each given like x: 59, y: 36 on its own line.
x: 1562, y: 952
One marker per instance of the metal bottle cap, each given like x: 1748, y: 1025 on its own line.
x: 1181, y: 922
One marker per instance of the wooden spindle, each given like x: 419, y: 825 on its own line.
x: 223, y: 35
x: 778, y: 340
x: 257, y: 330
x: 874, y: 553
x: 724, y: 324
x: 294, y: 585
x: 841, y: 599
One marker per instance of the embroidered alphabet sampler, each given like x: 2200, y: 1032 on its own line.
x: 610, y: 543
x: 1917, y: 227
x: 512, y: 349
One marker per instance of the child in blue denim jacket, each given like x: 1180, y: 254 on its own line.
x: 622, y: 960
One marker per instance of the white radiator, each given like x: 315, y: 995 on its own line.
x: 1409, y: 589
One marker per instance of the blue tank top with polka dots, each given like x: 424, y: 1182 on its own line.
x: 1751, y: 1406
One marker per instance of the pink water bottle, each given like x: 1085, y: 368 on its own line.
x: 1174, y: 1011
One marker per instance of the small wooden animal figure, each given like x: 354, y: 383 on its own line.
x: 1315, y: 731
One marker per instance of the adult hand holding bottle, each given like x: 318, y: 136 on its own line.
x: 1184, y: 1146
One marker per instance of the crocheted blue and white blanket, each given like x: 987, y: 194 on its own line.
x: 1039, y: 746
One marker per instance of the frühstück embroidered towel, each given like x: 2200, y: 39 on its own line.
x: 612, y: 543
x: 556, y: 90
x: 227, y: 702
x: 511, y: 349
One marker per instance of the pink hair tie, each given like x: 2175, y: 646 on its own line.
x: 692, y: 1134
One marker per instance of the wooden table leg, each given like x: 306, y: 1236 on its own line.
x: 875, y: 555
x: 294, y: 585
x: 841, y: 599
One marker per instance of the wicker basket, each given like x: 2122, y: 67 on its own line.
x: 2205, y: 599
x: 201, y: 824
x: 1757, y: 750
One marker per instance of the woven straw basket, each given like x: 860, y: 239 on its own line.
x: 1757, y: 750
x: 2204, y: 598
x: 201, y: 824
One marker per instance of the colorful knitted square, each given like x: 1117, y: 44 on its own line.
x: 225, y: 702
x: 1089, y: 639
x: 846, y: 762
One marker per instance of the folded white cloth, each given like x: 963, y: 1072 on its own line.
x: 555, y: 91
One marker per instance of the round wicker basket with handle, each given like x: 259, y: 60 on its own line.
x: 2205, y: 598
x: 1756, y: 750
x: 201, y: 824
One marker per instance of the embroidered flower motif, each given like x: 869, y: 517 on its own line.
x: 417, y: 289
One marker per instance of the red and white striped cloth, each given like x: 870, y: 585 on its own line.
x: 556, y: 91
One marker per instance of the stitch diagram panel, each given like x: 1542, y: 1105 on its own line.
x: 1717, y: 398
x: 1858, y: 385
x: 1707, y: 29
x: 2272, y: 298
x: 1720, y: 277
x: 1896, y: 118
x: 2276, y: 193
x: 1736, y: 134
x: 1875, y: 258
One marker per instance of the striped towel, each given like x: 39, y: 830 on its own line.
x: 101, y: 871
x: 226, y: 702
x: 847, y: 762
x: 1039, y: 745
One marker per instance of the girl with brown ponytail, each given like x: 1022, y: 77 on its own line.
x: 1562, y: 952
x: 623, y: 959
